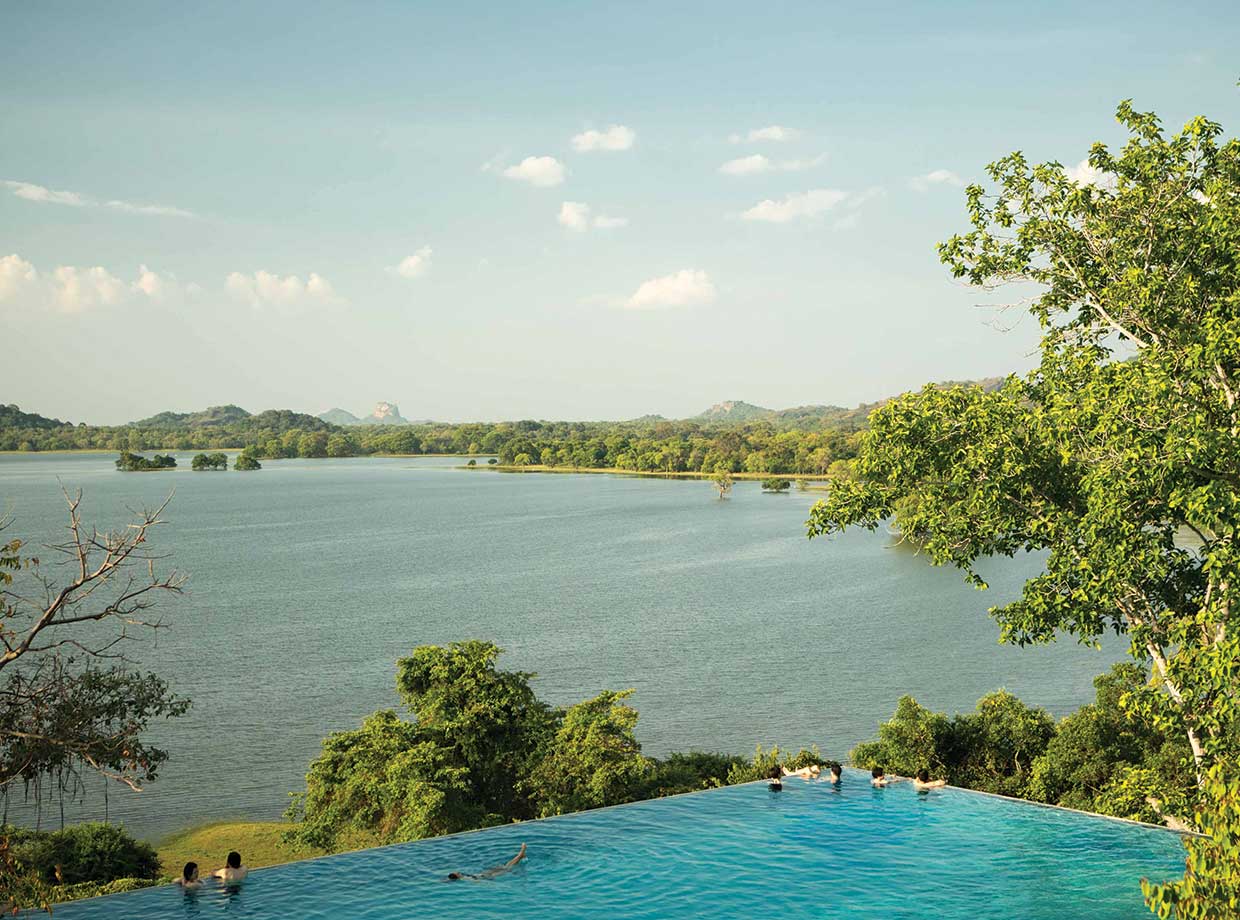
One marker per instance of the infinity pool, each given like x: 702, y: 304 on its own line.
x: 811, y: 851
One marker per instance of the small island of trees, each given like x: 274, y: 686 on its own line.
x: 216, y: 461
x: 136, y: 463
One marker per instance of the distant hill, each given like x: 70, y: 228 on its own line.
x: 211, y: 417
x: 13, y: 417
x: 733, y: 410
x: 385, y: 413
x: 338, y: 416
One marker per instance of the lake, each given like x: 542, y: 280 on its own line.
x: 310, y: 578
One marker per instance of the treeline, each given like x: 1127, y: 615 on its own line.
x: 1100, y: 758
x: 656, y: 446
x: 482, y: 750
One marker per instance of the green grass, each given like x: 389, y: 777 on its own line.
x: 258, y: 843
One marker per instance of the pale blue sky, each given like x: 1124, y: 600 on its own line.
x: 336, y: 143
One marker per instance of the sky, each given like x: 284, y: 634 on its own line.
x: 537, y: 210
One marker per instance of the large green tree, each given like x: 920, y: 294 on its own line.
x: 1117, y: 456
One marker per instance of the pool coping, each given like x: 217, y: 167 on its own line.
x: 31, y: 912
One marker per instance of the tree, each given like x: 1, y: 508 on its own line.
x: 478, y: 732
x: 1103, y: 758
x: 215, y: 461
x: 776, y: 485
x: 246, y: 461
x: 1120, y: 441
x: 1210, y: 889
x: 723, y: 482
x: 913, y: 739
x: 594, y: 759
x: 70, y: 704
x: 131, y: 463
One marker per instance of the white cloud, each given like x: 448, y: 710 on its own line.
x: 800, y: 204
x: 416, y: 265
x: 16, y: 275
x: 935, y: 177
x: 757, y: 163
x: 73, y: 289
x: 615, y: 137
x: 540, y: 171
x: 773, y: 133
x: 1084, y: 174
x: 76, y: 289
x: 267, y: 289
x: 682, y: 289
x: 747, y: 166
x: 575, y: 215
x: 31, y: 192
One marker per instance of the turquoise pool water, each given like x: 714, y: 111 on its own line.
x: 810, y: 851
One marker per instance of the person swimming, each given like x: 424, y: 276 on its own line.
x: 775, y: 779
x: 835, y: 773
x: 488, y: 873
x: 878, y: 778
x: 189, y: 879
x: 923, y: 783
x: 810, y: 772
x: 233, y: 872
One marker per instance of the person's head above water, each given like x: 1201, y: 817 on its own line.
x: 775, y: 772
x: 877, y: 772
x: 923, y: 775
x: 836, y: 770
x: 454, y: 876
x: 234, y: 860
x: 190, y: 872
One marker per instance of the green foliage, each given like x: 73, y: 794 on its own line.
x: 483, y: 750
x: 478, y: 732
x: 593, y: 760
x: 1121, y: 442
x: 760, y: 766
x: 1210, y: 889
x: 53, y: 716
x: 134, y: 463
x: 91, y: 852
x: 723, y: 482
x: 216, y: 461
x: 1104, y: 759
x: 994, y: 748
x: 913, y: 739
x: 776, y: 485
x: 246, y: 461
x: 690, y: 771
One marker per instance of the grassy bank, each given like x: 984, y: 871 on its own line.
x: 258, y: 842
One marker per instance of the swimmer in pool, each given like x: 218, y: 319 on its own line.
x: 189, y: 879
x: 775, y: 779
x: 836, y: 773
x: 879, y: 778
x: 923, y: 783
x: 489, y: 873
x: 810, y: 772
x: 233, y: 872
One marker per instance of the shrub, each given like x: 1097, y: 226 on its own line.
x: 91, y: 852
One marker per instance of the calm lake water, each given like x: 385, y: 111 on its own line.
x: 310, y: 578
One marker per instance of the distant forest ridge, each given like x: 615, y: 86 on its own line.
x: 732, y: 435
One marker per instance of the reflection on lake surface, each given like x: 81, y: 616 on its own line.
x: 310, y: 578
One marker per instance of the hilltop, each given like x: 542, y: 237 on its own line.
x: 385, y: 413
x: 13, y: 417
